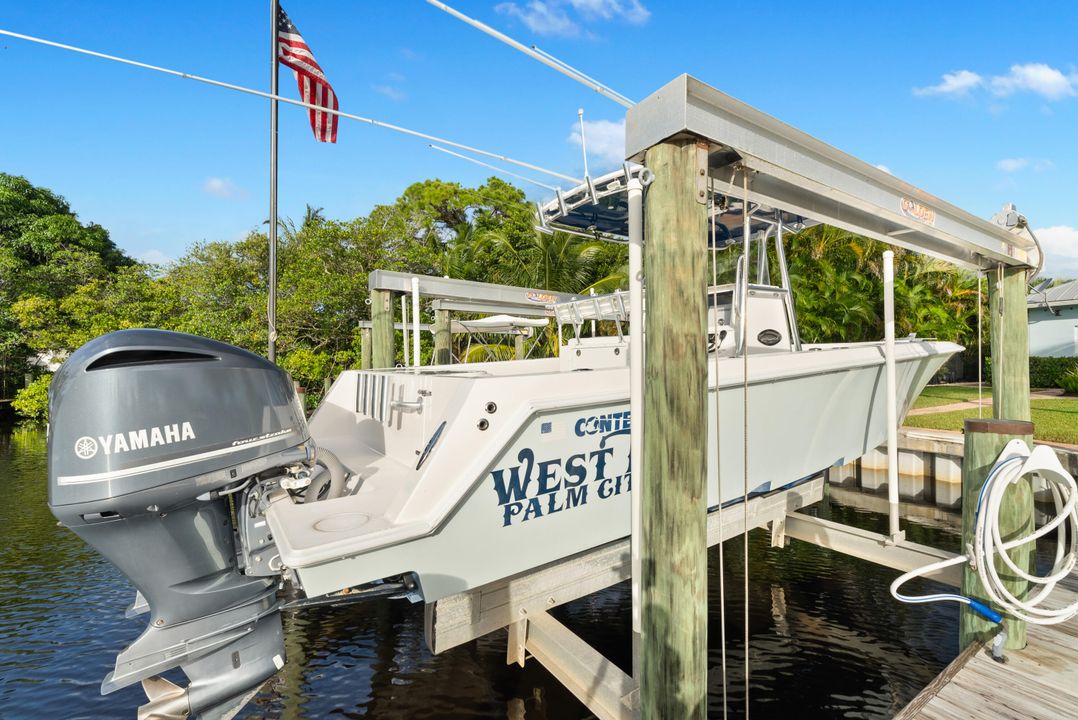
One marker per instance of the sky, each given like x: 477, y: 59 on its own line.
x: 974, y: 102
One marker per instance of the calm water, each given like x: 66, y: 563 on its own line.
x: 827, y: 640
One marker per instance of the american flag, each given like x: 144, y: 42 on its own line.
x: 314, y: 88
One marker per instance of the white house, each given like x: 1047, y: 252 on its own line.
x: 1053, y: 321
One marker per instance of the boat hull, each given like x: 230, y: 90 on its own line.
x: 562, y: 484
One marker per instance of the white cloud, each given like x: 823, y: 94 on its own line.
x: 1038, y: 78
x: 631, y: 11
x: 553, y: 17
x: 223, y: 187
x: 153, y: 257
x: 542, y: 18
x: 953, y: 83
x: 1060, y: 245
x: 605, y: 141
x: 394, y: 94
x: 1010, y: 165
x: 885, y: 169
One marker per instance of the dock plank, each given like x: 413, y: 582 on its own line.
x: 1038, y: 682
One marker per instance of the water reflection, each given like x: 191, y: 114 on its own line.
x: 826, y: 640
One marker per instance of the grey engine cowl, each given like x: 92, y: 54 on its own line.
x: 145, y: 427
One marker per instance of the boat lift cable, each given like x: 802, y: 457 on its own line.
x: 718, y: 436
x: 980, y: 348
x: 542, y: 57
x: 746, y: 249
x: 620, y: 98
x: 495, y: 168
x: 1014, y: 463
x: 289, y: 101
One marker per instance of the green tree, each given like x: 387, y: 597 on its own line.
x: 45, y: 252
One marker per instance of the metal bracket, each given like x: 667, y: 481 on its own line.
x: 778, y: 533
x: 518, y: 638
x: 700, y: 172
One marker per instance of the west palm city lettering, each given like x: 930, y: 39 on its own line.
x: 533, y: 489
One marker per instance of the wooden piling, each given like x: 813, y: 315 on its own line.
x: 518, y: 347
x: 984, y: 441
x: 1010, y: 344
x: 442, y: 338
x: 383, y: 335
x: 364, y: 348
x: 673, y: 663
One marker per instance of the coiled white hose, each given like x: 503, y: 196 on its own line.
x: 1014, y: 463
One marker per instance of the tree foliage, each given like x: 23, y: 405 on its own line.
x: 63, y: 283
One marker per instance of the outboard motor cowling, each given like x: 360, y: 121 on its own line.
x: 151, y: 433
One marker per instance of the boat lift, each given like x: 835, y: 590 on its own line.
x: 707, y: 145
x: 450, y: 295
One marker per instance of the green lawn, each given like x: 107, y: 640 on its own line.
x: 934, y: 395
x: 1053, y: 420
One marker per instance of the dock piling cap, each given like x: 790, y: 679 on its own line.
x: 998, y: 427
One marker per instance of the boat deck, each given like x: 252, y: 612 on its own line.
x: 1038, y: 682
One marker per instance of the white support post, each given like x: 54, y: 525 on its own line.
x: 896, y: 536
x: 415, y: 322
x: 636, y: 385
x: 404, y: 330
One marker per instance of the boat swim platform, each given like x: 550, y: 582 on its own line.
x: 1038, y: 682
x: 520, y: 604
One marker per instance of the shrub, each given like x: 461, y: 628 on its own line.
x: 32, y: 402
x: 1069, y: 380
x: 1044, y: 372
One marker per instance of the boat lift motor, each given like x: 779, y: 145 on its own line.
x: 155, y: 436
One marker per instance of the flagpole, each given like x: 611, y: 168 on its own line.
x: 271, y: 303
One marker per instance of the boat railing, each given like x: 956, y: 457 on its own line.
x: 612, y: 307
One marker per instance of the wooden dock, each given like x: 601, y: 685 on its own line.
x: 1039, y: 682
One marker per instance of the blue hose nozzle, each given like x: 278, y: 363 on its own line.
x: 984, y: 611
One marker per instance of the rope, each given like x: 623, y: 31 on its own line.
x: 718, y: 445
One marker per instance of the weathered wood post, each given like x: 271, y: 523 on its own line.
x: 364, y: 348
x: 984, y: 441
x: 1010, y: 344
x: 673, y: 682
x: 384, y: 353
x: 442, y: 338
x: 518, y: 346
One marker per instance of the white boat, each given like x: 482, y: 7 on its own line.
x: 466, y: 474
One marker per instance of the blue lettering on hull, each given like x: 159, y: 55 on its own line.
x: 533, y: 489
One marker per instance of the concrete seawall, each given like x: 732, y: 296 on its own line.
x: 929, y: 468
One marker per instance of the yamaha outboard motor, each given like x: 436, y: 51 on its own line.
x: 158, y: 444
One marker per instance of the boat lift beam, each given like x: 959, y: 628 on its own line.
x: 467, y: 290
x: 492, y: 308
x: 796, y: 172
